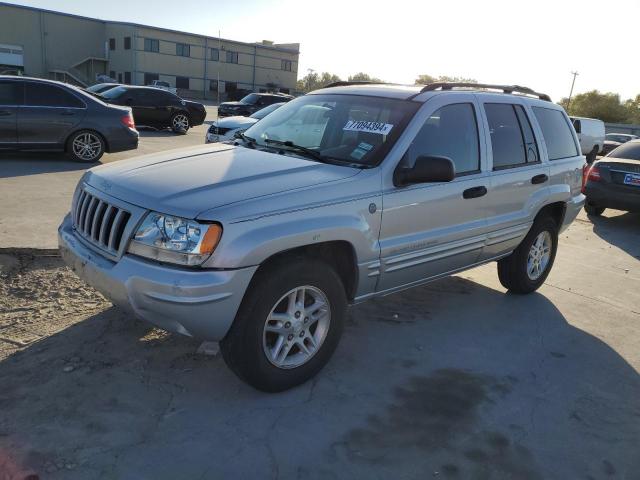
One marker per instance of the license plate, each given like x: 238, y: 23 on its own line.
x: 632, y: 179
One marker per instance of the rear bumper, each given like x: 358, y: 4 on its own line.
x: 196, y: 303
x: 613, y: 195
x: 197, y: 117
x: 127, y: 140
x: 573, y: 208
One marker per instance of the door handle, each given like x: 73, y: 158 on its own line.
x: 539, y: 179
x: 4, y: 113
x: 475, y: 192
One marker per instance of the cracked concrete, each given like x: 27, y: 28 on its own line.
x: 455, y: 380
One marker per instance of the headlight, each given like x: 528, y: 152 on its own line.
x: 175, y: 240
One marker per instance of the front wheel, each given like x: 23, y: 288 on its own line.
x: 180, y: 122
x: 288, y: 326
x: 85, y: 146
x: 526, y: 269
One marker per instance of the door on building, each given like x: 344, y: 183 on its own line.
x: 11, y: 98
x: 48, y: 115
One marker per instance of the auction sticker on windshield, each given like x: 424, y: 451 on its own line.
x: 368, y: 127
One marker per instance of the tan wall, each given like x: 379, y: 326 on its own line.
x: 121, y: 60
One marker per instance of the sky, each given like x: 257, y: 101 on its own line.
x: 537, y: 44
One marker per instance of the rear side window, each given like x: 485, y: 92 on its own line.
x: 557, y: 133
x: 507, y: 136
x: 45, y: 95
x: 452, y: 132
x: 11, y: 93
x: 630, y: 151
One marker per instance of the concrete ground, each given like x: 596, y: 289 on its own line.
x: 455, y: 380
x: 42, y: 185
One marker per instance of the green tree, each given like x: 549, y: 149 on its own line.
x: 364, y: 77
x: 605, y: 106
x: 632, y: 107
x: 424, y: 79
x: 313, y: 81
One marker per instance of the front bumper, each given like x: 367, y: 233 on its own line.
x: 573, y: 208
x: 196, y: 303
x: 613, y: 195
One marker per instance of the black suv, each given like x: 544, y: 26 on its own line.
x: 157, y: 108
x: 38, y: 114
x: 251, y: 104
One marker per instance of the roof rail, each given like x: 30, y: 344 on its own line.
x: 505, y: 88
x: 344, y: 83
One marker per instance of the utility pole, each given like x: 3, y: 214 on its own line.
x: 575, y: 74
x: 219, y: 63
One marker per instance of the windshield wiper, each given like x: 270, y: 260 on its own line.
x: 248, y: 140
x: 298, y: 148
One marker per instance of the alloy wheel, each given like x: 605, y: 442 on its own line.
x: 180, y: 122
x: 539, y: 255
x: 87, y: 146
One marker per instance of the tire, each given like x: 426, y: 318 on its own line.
x: 513, y: 271
x: 247, y: 348
x: 85, y: 146
x: 593, y: 210
x: 180, y: 122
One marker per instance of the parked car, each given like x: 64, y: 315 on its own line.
x: 591, y: 135
x: 225, y: 128
x: 614, y: 140
x: 614, y: 181
x: 164, y: 86
x: 101, y: 87
x: 251, y: 104
x: 40, y: 114
x: 157, y: 108
x: 263, y: 243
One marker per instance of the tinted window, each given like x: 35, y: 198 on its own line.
x: 251, y: 99
x: 557, y: 133
x: 506, y: 136
x: 11, y: 93
x: 127, y: 43
x: 183, y: 49
x: 182, y: 82
x: 451, y: 132
x: 44, y: 95
x: 528, y: 139
x: 232, y: 57
x: 213, y: 85
x: 112, y: 44
x: 127, y: 78
x: 215, y: 54
x: 114, y: 93
x: 629, y: 150
x: 286, y: 65
x: 151, y: 45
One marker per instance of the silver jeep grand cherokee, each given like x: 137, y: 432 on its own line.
x: 348, y: 193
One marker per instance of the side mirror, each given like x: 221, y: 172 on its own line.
x: 426, y: 170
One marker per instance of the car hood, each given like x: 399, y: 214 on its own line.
x: 235, y: 122
x: 189, y: 181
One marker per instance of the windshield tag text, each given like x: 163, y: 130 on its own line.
x: 369, y: 127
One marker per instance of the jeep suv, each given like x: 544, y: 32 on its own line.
x: 345, y: 194
x: 251, y: 104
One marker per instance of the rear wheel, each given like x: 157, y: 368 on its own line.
x: 526, y: 269
x: 85, y: 146
x: 288, y: 326
x: 180, y: 122
x: 592, y: 209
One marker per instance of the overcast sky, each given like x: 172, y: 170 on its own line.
x: 536, y: 43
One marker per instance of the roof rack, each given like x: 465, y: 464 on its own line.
x: 344, y: 83
x: 505, y: 88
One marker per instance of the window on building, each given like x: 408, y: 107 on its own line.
x: 119, y: 78
x: 127, y: 78
x: 232, y: 57
x: 214, y: 55
x: 46, y: 95
x: 506, y: 136
x: 183, y: 50
x: 285, y: 90
x: 127, y: 43
x: 557, y: 133
x: 230, y: 87
x: 149, y: 78
x: 151, y: 45
x: 286, y: 65
x: 213, y: 85
x: 112, y: 74
x: 182, y: 82
x: 112, y: 44
x: 451, y: 131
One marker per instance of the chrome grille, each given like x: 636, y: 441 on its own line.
x: 100, y: 222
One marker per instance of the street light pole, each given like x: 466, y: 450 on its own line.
x: 575, y: 74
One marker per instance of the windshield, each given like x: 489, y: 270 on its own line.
x: 260, y: 114
x: 114, y: 92
x: 97, y: 87
x: 629, y: 151
x: 250, y: 99
x: 347, y: 128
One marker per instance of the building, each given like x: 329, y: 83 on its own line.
x: 75, y: 49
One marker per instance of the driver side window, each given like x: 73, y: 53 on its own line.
x: 451, y: 131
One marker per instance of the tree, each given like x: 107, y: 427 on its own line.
x: 424, y: 79
x: 633, y: 110
x: 364, y: 77
x: 313, y: 81
x: 605, y: 106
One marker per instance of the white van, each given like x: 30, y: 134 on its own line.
x: 591, y: 135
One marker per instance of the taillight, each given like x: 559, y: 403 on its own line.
x: 127, y: 121
x: 589, y: 174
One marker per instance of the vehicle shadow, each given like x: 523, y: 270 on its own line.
x: 623, y: 231
x: 19, y: 164
x: 455, y: 378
